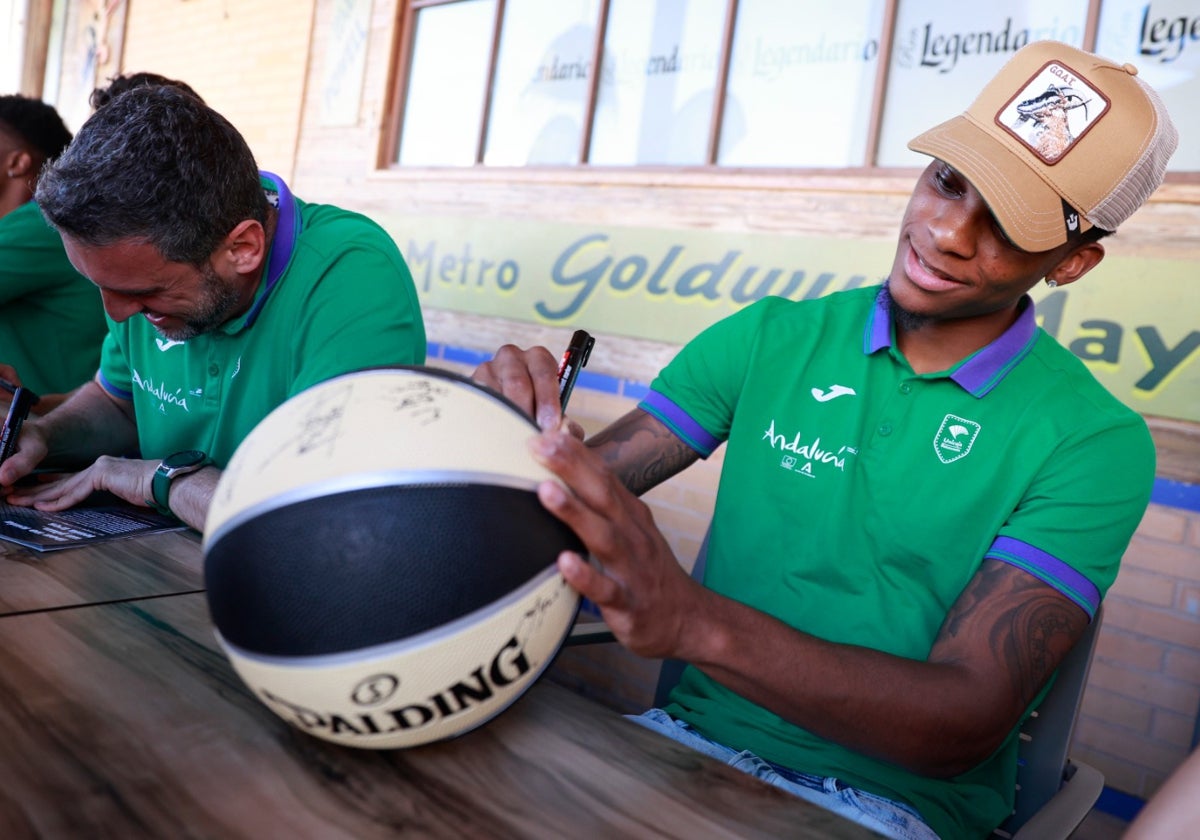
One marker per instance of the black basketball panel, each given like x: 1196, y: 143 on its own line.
x: 368, y: 567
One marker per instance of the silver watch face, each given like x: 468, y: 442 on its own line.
x: 181, y: 463
x: 187, y: 458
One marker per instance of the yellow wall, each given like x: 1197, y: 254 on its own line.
x: 247, y: 59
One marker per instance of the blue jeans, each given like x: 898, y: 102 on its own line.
x: 891, y: 819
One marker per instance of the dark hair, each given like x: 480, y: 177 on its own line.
x: 119, y: 84
x: 34, y: 123
x: 157, y: 165
x: 1093, y: 234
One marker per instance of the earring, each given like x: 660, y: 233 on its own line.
x: 1052, y: 284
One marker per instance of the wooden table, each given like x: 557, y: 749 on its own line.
x: 125, y: 720
x: 138, y: 567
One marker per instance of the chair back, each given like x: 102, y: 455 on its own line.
x: 672, y: 669
x: 1043, y: 763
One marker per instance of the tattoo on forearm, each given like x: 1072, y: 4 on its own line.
x: 643, y: 453
x: 1029, y: 627
x: 1043, y: 631
x: 669, y: 462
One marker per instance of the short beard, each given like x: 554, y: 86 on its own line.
x: 215, y: 306
x: 901, y: 317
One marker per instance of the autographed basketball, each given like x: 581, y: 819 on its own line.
x: 378, y: 567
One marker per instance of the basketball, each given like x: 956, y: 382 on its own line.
x: 378, y: 568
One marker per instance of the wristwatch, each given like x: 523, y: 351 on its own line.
x: 173, y: 466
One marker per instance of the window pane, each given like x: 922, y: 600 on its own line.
x: 1162, y: 39
x: 446, y: 85
x: 800, y: 83
x: 541, y: 82
x: 945, y: 51
x: 656, y: 88
x: 12, y: 48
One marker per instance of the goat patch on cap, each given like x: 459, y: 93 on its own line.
x: 1053, y: 111
x: 1059, y: 141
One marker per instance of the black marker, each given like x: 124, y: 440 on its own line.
x: 23, y: 400
x: 573, y: 359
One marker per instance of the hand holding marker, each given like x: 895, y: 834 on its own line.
x: 573, y: 359
x: 22, y: 400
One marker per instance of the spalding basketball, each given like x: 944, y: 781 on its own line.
x: 378, y: 567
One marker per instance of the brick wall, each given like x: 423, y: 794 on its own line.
x: 1139, y: 710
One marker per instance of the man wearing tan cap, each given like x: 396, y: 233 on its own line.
x: 924, y: 497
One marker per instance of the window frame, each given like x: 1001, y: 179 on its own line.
x: 400, y: 71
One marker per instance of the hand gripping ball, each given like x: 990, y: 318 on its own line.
x: 378, y: 567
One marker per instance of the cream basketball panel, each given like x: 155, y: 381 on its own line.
x: 426, y: 688
x: 425, y: 422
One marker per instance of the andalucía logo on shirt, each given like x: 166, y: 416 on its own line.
x: 165, y: 397
x: 955, y: 438
x: 800, y: 456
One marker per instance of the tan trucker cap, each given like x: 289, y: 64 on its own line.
x: 1060, y: 140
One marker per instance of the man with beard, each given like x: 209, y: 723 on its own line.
x: 225, y: 295
x: 924, y: 497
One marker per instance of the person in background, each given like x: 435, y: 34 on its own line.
x: 924, y: 497
x: 225, y: 295
x: 1173, y: 813
x: 51, y: 318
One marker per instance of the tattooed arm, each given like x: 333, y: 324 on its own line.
x: 999, y: 643
x: 641, y: 451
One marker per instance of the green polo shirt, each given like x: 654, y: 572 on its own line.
x: 51, y: 316
x: 858, y: 498
x: 337, y: 296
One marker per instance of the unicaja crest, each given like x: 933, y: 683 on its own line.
x: 955, y: 438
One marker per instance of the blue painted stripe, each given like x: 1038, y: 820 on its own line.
x: 1115, y: 803
x: 634, y: 390
x: 463, y: 356
x: 598, y: 382
x: 1176, y: 494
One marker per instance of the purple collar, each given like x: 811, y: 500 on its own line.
x: 983, y: 369
x: 287, y: 230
